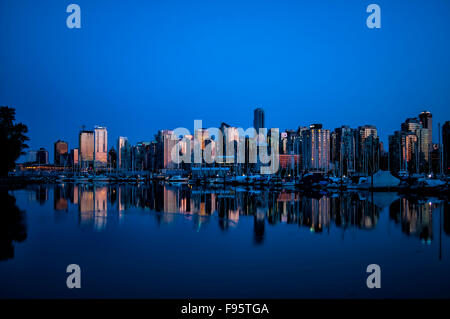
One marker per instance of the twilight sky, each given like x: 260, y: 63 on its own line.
x: 140, y: 66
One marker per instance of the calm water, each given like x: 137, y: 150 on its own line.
x: 175, y: 242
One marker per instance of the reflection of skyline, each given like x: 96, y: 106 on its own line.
x: 96, y: 205
x: 13, y: 227
x: 416, y: 217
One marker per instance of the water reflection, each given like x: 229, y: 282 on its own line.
x: 99, y: 204
x: 12, y: 225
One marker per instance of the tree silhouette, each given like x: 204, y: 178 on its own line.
x: 12, y: 139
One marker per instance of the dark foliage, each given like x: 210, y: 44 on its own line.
x: 12, y: 139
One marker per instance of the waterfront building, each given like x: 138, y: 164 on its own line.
x: 168, y: 144
x: 426, y: 119
x: 258, y: 119
x: 139, y: 161
x: 227, y: 155
x: 31, y: 156
x: 86, y: 148
x: 411, y: 125
x: 316, y: 149
x: 42, y: 156
x: 112, y: 157
x: 402, y: 151
x: 123, y: 154
x: 101, y: 147
x: 342, y: 150
x: 74, y: 157
x: 367, y: 149
x: 60, y: 152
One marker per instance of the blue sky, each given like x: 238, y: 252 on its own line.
x: 140, y: 66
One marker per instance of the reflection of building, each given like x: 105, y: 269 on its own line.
x: 100, y: 207
x: 59, y: 199
x: 92, y: 207
x: 315, y: 212
x: 101, y: 146
x: 415, y: 218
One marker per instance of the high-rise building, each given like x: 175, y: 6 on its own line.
x: 86, y: 148
x: 396, y: 151
x: 112, y: 157
x: 31, y: 156
x: 168, y: 144
x: 42, y: 156
x: 230, y: 143
x: 403, y: 152
x: 139, y: 156
x: 423, y: 147
x: 446, y: 147
x: 411, y: 125
x: 426, y: 118
x: 258, y: 119
x: 74, y: 157
x: 123, y: 154
x: 101, y: 146
x: 316, y: 149
x: 367, y: 149
x: 60, y: 153
x: 342, y: 147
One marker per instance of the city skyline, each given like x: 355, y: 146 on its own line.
x: 343, y: 151
x: 409, y: 124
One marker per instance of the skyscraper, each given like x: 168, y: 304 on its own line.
x: 427, y: 122
x: 411, y: 125
x: 367, y: 149
x: 42, y: 156
x: 101, y: 146
x: 168, y: 144
x: 31, y: 156
x: 86, y: 148
x: 74, y: 157
x: 61, y: 149
x: 123, y: 153
x: 342, y: 148
x: 316, y: 149
x: 258, y: 119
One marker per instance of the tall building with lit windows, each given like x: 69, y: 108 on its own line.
x: 367, y: 149
x: 426, y: 119
x: 316, y: 149
x: 101, y: 146
x: 60, y: 152
x: 123, y: 154
x: 86, y: 148
x: 168, y: 144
